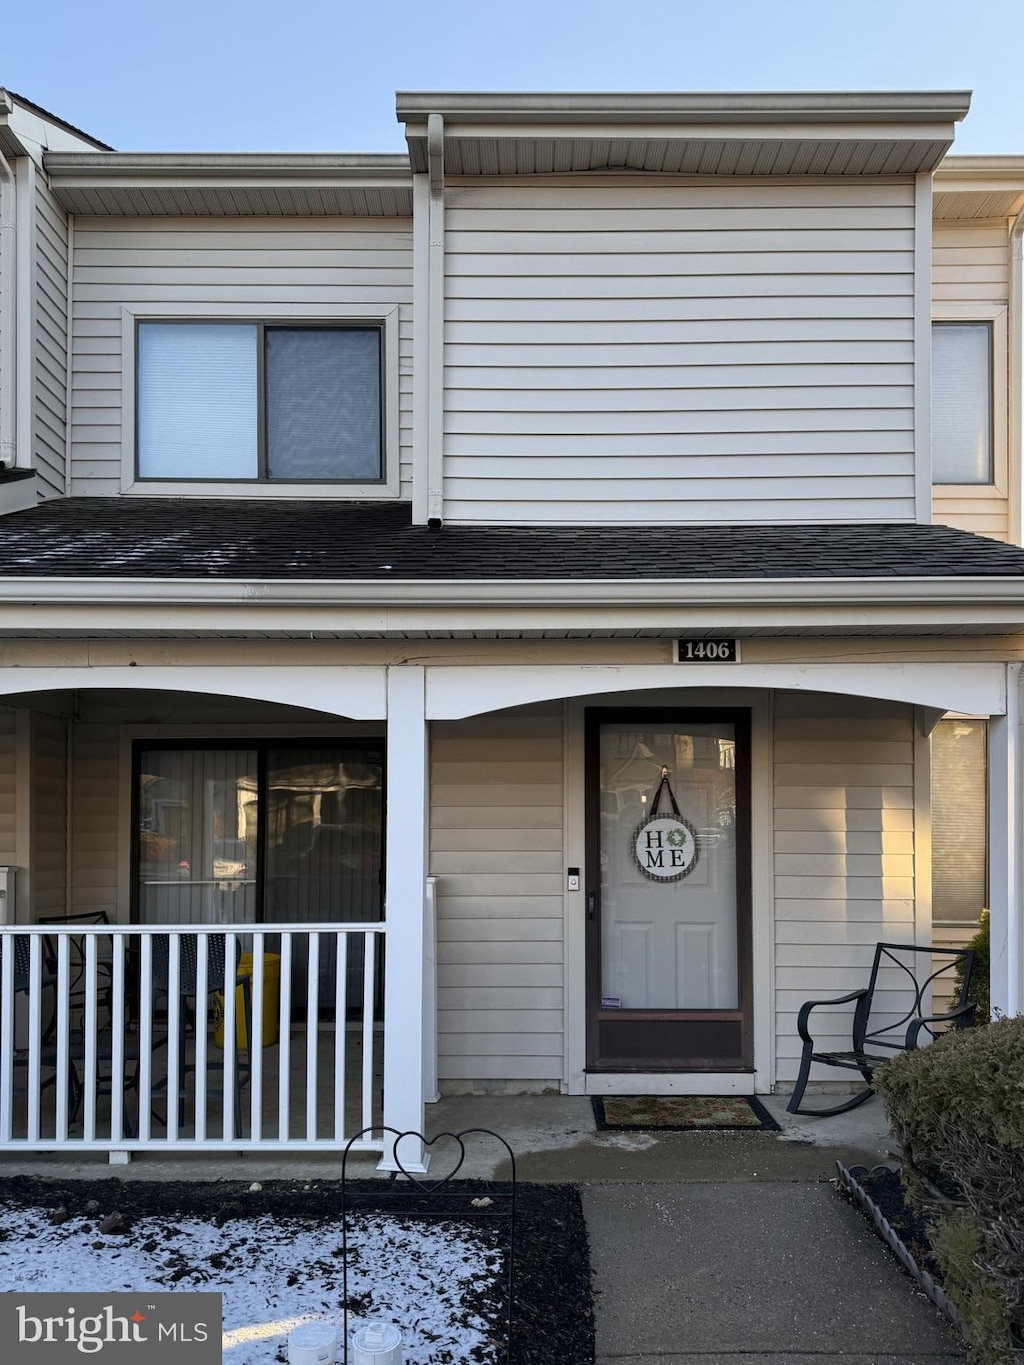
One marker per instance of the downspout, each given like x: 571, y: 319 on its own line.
x: 8, y: 314
x: 1015, y: 377
x: 435, y: 322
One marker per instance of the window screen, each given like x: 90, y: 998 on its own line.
x: 959, y: 821
x: 962, y: 402
x: 323, y: 403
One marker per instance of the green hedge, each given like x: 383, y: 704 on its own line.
x: 957, y: 1108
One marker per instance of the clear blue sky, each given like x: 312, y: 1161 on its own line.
x: 311, y: 75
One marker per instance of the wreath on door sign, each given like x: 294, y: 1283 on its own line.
x: 665, y: 847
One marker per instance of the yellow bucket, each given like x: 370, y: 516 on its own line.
x: 271, y: 1002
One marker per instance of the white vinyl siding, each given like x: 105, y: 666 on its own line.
x: 844, y: 856
x: 970, y: 278
x: 51, y: 343
x: 199, y: 267
x: 682, y: 352
x: 497, y: 848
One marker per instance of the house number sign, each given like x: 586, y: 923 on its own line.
x: 692, y: 651
x: 665, y: 846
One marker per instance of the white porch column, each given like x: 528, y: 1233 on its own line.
x: 1006, y: 832
x: 405, y: 895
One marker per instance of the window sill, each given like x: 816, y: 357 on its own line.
x: 341, y: 492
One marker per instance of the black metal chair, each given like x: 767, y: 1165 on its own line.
x: 76, y: 967
x: 48, y: 1058
x: 872, y: 1047
x: 218, y: 982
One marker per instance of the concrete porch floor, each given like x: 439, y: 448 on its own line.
x: 554, y: 1139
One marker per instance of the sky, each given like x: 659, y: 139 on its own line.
x: 317, y: 75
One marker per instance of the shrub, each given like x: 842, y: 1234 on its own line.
x: 957, y: 1108
x: 978, y: 991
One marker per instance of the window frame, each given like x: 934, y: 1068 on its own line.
x: 295, y: 317
x: 994, y: 316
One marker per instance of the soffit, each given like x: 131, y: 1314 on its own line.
x: 733, y: 135
x: 979, y: 187
x: 278, y: 185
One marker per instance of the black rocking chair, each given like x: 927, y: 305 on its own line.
x: 872, y: 1047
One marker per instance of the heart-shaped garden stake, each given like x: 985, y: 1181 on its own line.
x: 433, y: 1183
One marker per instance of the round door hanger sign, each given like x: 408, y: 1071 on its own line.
x: 665, y: 848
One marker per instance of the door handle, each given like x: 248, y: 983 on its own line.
x: 591, y: 904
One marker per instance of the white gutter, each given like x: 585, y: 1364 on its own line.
x: 435, y: 322
x: 8, y: 315
x: 1015, y: 378
x: 674, y: 593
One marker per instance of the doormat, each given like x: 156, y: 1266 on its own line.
x: 681, y: 1113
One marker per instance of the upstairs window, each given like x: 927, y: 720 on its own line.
x: 259, y: 401
x: 962, y: 445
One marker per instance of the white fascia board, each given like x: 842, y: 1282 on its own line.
x: 826, y: 107
x: 163, y: 168
x: 420, y: 609
x: 864, y: 592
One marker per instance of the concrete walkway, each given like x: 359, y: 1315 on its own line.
x: 727, y: 1274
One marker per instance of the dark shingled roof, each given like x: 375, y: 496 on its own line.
x: 247, y: 539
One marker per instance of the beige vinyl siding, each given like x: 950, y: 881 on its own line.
x: 971, y: 268
x: 48, y: 839
x: 496, y: 845
x: 95, y: 818
x: 51, y: 343
x: 949, y: 936
x: 202, y: 266
x: 679, y: 352
x: 843, y: 774
x: 8, y: 788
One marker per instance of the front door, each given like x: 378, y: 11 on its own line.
x: 668, y: 891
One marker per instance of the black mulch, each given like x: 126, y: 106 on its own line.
x: 553, y: 1320
x: 886, y: 1189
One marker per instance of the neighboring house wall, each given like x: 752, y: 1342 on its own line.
x: 970, y: 282
x: 51, y: 342
x: 663, y: 352
x: 844, y: 855
x: 497, y: 847
x: 198, y: 268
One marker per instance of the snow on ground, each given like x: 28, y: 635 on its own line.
x: 276, y: 1273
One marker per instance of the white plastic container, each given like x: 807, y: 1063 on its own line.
x: 377, y: 1343
x: 314, y: 1343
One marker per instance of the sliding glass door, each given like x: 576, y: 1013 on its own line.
x: 262, y: 832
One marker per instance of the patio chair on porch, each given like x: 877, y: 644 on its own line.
x: 76, y: 969
x: 188, y: 1012
x: 910, y: 973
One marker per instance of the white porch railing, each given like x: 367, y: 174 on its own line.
x: 117, y: 1038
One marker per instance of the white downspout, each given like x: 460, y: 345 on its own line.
x: 1015, y: 378
x: 435, y: 322
x: 8, y: 315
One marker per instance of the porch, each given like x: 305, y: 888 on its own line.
x: 108, y: 1030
